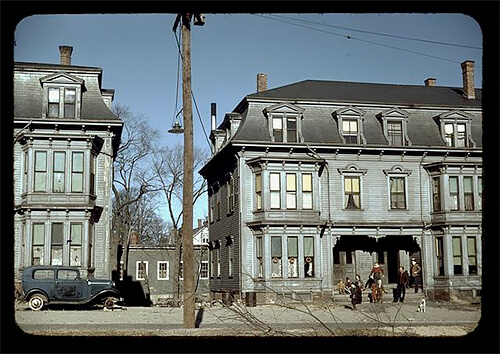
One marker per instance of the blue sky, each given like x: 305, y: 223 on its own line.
x: 139, y: 55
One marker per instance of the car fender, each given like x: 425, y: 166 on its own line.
x: 104, y: 293
x: 36, y: 291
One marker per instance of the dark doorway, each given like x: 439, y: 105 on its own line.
x: 392, y: 266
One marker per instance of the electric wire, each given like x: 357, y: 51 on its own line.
x: 192, y: 93
x: 381, y: 34
x: 362, y: 40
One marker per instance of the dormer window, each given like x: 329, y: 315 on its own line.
x: 394, y: 125
x: 455, y: 129
x: 350, y: 124
x: 62, y: 96
x: 61, y: 108
x: 285, y: 123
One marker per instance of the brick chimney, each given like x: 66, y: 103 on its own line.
x: 430, y: 82
x: 468, y: 79
x: 65, y: 56
x: 134, y: 238
x: 261, y: 82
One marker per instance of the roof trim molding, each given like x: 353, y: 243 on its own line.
x: 61, y: 78
x: 283, y: 108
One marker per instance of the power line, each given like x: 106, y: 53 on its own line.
x: 381, y: 34
x: 362, y: 40
x: 192, y: 94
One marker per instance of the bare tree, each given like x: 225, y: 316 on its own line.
x: 132, y: 177
x: 168, y: 169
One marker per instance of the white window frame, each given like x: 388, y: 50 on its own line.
x: 350, y: 113
x: 397, y: 172
x: 208, y: 270
x: 395, y: 115
x: 282, y: 112
x: 137, y: 270
x: 454, y: 118
x: 352, y: 171
x: 158, y: 269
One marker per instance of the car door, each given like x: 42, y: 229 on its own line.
x: 68, y: 285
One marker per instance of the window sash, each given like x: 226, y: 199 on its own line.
x: 59, y: 168
x: 141, y: 270
x: 398, y: 193
x: 53, y: 101
x: 395, y: 132
x: 472, y: 255
x: 204, y: 270
x: 278, y: 129
x: 291, y: 191
x: 276, y: 246
x: 77, y: 171
x: 40, y: 182
x: 275, y: 189
x: 350, y: 131
x: 291, y: 129
x: 439, y: 256
x: 163, y: 270
x: 436, y: 194
x: 457, y: 255
x: 293, y: 246
x: 453, y: 185
x: 352, y: 192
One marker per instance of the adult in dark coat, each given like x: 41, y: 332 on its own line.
x: 401, y: 281
x: 368, y: 286
x: 416, y: 274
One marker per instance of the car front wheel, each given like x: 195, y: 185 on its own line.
x: 37, y: 302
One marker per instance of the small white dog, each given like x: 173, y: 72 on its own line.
x: 421, y: 306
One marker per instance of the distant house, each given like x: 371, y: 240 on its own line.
x: 315, y: 181
x: 153, y: 268
x: 65, y: 143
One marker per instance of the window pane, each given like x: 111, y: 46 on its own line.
x: 77, y: 182
x: 76, y: 233
x: 307, y: 182
x: 277, y: 123
x: 259, y: 247
x: 461, y: 128
x: 276, y: 246
x: 69, y: 110
x: 293, y: 250
x: 457, y: 249
x: 77, y: 164
x: 467, y: 184
x: 291, y: 182
x: 291, y: 200
x: 57, y: 234
x: 453, y: 185
x: 69, y: 96
x: 41, y: 161
x: 53, y: 95
x: 355, y: 184
x: 38, y: 234
x: 307, y: 201
x: 448, y: 128
x: 308, y: 246
x: 275, y: 181
x: 67, y: 274
x: 59, y: 161
x: 292, y: 130
x: 258, y: 182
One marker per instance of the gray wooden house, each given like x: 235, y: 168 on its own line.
x: 65, y: 142
x: 315, y: 181
x: 153, y: 268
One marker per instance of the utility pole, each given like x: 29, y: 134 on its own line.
x: 187, y: 190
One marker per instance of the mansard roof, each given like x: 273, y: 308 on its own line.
x: 419, y: 105
x: 28, y: 90
x: 371, y: 93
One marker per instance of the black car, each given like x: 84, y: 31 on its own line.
x: 43, y: 285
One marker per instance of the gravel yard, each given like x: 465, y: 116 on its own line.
x: 386, y: 319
